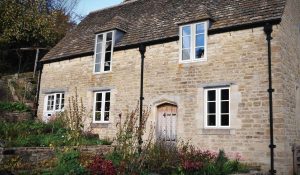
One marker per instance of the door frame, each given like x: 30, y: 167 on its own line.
x: 157, y: 118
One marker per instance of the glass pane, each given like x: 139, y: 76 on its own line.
x: 62, y: 103
x: 186, y: 42
x: 98, y: 116
x: 107, y: 97
x: 99, y: 48
x: 109, y: 36
x: 106, y: 118
x: 200, y: 40
x: 225, y: 120
x: 98, y: 58
x: 211, y: 120
x: 211, y: 107
x: 200, y: 28
x: 97, y: 67
x: 100, y: 38
x: 186, y: 54
x: 107, y: 106
x: 107, y: 56
x: 186, y: 31
x: 108, y: 46
x: 99, y: 97
x: 211, y: 95
x: 225, y: 94
x: 98, y: 106
x: 225, y: 107
x: 107, y: 66
x: 199, y: 52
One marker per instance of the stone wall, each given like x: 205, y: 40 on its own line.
x: 26, y: 158
x: 238, y: 59
x: 289, y: 80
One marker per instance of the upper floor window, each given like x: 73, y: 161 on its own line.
x: 101, y: 107
x: 193, y: 39
x: 103, y: 52
x: 217, y: 107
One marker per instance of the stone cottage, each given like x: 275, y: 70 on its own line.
x: 205, y: 72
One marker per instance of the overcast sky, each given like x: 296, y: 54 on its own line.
x: 86, y: 6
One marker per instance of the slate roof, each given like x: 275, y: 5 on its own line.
x: 150, y: 20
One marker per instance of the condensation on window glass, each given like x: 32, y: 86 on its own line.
x: 97, y: 67
x: 186, y: 54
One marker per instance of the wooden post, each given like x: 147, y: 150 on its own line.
x: 36, y: 60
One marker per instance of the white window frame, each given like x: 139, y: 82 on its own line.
x: 193, y: 42
x: 218, y: 108
x: 102, y: 107
x: 103, y: 51
x: 60, y: 109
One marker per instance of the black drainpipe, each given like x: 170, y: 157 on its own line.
x: 40, y: 68
x: 142, y: 49
x: 268, y: 31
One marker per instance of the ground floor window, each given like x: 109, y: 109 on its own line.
x: 54, y: 103
x: 101, y: 112
x: 217, y: 107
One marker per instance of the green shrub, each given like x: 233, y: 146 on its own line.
x: 14, y: 107
x: 68, y: 164
x: 35, y: 133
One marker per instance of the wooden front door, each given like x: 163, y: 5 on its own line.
x: 166, y: 127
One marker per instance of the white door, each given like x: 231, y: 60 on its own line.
x: 166, y: 128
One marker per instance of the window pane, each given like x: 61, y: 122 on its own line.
x: 98, y: 106
x: 211, y: 107
x: 99, y: 97
x: 99, y: 48
x: 108, y: 46
x: 107, y: 97
x: 97, y: 67
x: 225, y: 94
x: 225, y: 120
x: 107, y: 56
x: 57, y: 102
x: 211, y: 95
x: 107, y: 106
x: 200, y: 40
x: 98, y: 58
x: 62, y: 103
x: 106, y: 118
x: 97, y: 116
x: 199, y: 52
x: 186, y: 42
x: 211, y: 120
x: 224, y: 107
x: 186, y: 31
x: 100, y: 39
x: 109, y: 36
x: 186, y: 54
x: 107, y: 66
x: 200, y: 28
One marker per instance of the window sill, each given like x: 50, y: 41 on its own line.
x: 218, y: 131
x: 99, y: 73
x: 193, y: 61
x: 100, y: 125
